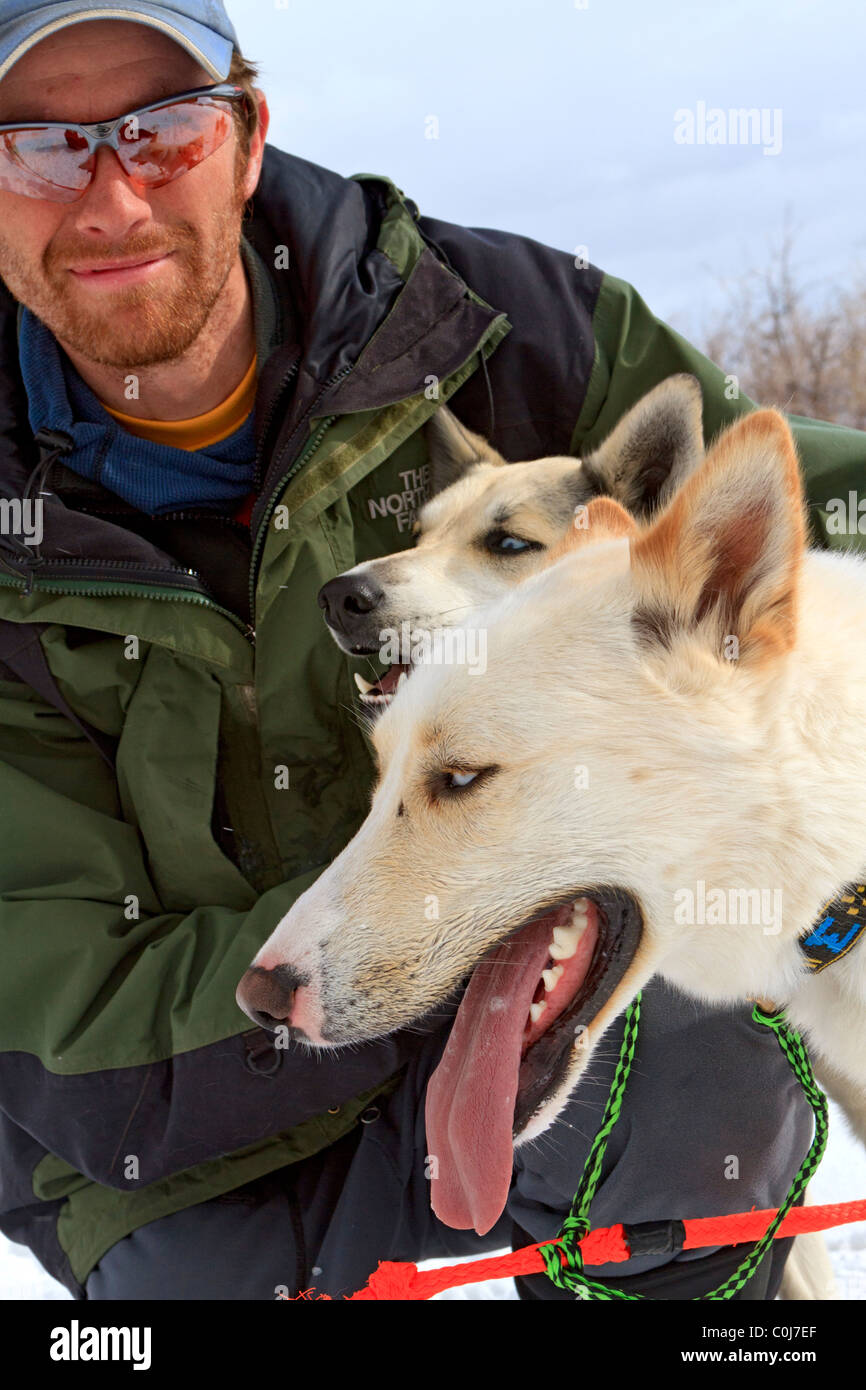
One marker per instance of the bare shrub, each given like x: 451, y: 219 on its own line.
x: 805, y: 359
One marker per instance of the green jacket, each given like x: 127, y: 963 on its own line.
x: 133, y: 896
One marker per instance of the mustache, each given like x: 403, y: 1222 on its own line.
x: 80, y: 253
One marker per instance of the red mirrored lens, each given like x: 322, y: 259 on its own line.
x: 159, y: 146
x: 154, y: 148
x: 51, y: 164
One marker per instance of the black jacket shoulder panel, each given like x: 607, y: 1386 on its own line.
x: 539, y: 375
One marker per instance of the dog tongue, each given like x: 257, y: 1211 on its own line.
x: 387, y: 684
x: 472, y: 1093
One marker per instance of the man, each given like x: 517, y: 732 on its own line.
x: 217, y: 363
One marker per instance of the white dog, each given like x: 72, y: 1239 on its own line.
x: 661, y: 771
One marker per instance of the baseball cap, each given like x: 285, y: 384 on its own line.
x: 202, y: 27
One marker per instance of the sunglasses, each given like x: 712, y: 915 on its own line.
x: 155, y: 145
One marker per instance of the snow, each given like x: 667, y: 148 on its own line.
x: 22, y: 1276
x: 841, y: 1178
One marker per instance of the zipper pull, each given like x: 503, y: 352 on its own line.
x: 52, y: 444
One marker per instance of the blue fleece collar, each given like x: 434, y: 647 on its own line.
x: 155, y: 478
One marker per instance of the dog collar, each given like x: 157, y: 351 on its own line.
x: 839, y: 927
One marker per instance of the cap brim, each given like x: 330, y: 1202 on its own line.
x: 210, y: 49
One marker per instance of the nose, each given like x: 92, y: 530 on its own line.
x: 113, y: 205
x: 266, y: 996
x: 347, y: 597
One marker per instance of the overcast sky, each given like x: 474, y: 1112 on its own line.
x: 556, y: 118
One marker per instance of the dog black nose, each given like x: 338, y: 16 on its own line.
x: 349, y: 596
x: 266, y: 996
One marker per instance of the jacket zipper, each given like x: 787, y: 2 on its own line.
x: 105, y: 590
x: 47, y: 566
x: 248, y: 629
x: 178, y: 574
x: 288, y: 375
x: 201, y: 598
x: 309, y: 448
x: 202, y: 515
x: 97, y: 568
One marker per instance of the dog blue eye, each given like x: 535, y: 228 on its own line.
x: 504, y: 543
x: 452, y: 780
x: 461, y: 779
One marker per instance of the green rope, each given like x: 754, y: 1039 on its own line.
x: 795, y: 1050
x: 563, y: 1260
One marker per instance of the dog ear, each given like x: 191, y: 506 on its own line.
x: 727, y: 550
x: 653, y: 449
x: 601, y: 519
x: 453, y: 449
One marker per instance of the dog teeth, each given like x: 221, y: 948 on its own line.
x: 552, y: 977
x: 536, y: 1010
x: 372, y: 696
x: 403, y: 679
x: 565, y: 939
x: 364, y: 686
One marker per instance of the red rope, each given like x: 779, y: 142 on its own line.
x: 604, y: 1246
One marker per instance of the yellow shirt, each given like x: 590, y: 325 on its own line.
x: 201, y: 430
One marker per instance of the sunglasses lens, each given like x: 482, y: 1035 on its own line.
x: 154, y: 148
x: 52, y: 164
x: 159, y: 146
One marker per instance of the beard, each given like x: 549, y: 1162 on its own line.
x: 139, y: 325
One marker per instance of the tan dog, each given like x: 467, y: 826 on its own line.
x: 490, y: 524
x: 666, y: 713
